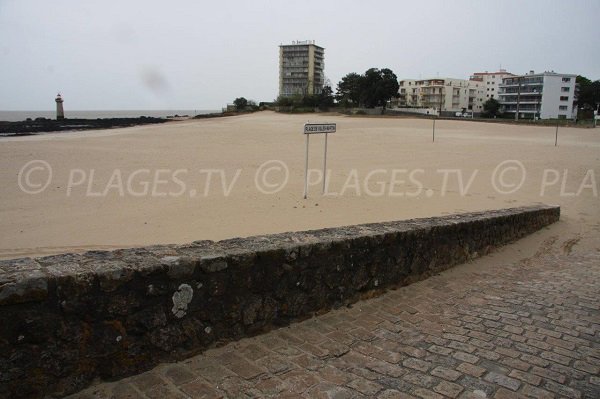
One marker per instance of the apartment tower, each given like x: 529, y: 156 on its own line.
x: 301, y: 66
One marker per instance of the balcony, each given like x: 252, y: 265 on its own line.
x: 523, y: 81
x: 519, y: 102
x: 515, y: 91
x: 429, y: 83
x: 431, y: 94
x: 522, y: 111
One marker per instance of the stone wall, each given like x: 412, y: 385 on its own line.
x: 68, y: 319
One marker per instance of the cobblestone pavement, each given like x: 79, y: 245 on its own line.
x: 530, y: 329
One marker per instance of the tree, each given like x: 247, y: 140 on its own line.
x: 370, y: 82
x: 387, y: 87
x: 326, y: 98
x: 491, y: 108
x: 582, y: 80
x: 252, y: 105
x: 379, y: 87
x: 349, y: 89
x: 310, y: 100
x: 589, y: 93
x: 372, y: 89
x: 240, y: 103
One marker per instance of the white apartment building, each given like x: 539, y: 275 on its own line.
x: 545, y: 95
x: 491, y: 82
x: 445, y: 96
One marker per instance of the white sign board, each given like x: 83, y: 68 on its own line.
x: 315, y: 128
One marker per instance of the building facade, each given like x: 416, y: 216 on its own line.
x: 301, y: 69
x: 445, y: 95
x: 490, y: 82
x: 547, y: 95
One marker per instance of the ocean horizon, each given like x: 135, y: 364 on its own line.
x: 17, y: 116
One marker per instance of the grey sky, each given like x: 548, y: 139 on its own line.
x: 200, y: 55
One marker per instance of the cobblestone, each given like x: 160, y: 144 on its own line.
x: 528, y: 329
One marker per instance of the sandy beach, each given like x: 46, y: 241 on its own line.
x: 226, y: 177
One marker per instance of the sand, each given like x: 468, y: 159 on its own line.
x: 103, y: 211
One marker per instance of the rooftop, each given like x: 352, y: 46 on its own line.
x: 302, y: 43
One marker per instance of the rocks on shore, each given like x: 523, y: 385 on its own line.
x: 40, y: 125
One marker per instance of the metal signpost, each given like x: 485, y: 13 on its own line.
x: 316, y: 128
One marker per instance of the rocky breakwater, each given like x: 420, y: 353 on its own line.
x: 43, y: 125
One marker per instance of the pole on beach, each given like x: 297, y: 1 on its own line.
x: 317, y: 128
x: 324, y: 164
x: 556, y: 135
x: 433, y: 132
x: 306, y: 168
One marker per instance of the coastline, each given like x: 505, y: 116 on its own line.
x: 45, y: 125
x: 42, y: 125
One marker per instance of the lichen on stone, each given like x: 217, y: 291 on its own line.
x: 181, y: 299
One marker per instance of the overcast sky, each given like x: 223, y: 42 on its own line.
x: 126, y: 54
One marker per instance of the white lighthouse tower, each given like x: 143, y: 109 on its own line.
x: 60, y: 113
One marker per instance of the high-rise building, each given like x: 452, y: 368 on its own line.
x: 301, y: 66
x: 539, y: 95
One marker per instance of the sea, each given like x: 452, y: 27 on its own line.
x: 16, y: 116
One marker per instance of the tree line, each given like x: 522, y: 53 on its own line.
x: 374, y: 88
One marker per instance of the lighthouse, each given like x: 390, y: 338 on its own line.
x: 60, y: 113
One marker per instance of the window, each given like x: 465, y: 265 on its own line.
x: 566, y: 79
x: 492, y: 96
x: 562, y: 108
x: 492, y: 89
x: 565, y: 89
x: 564, y: 98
